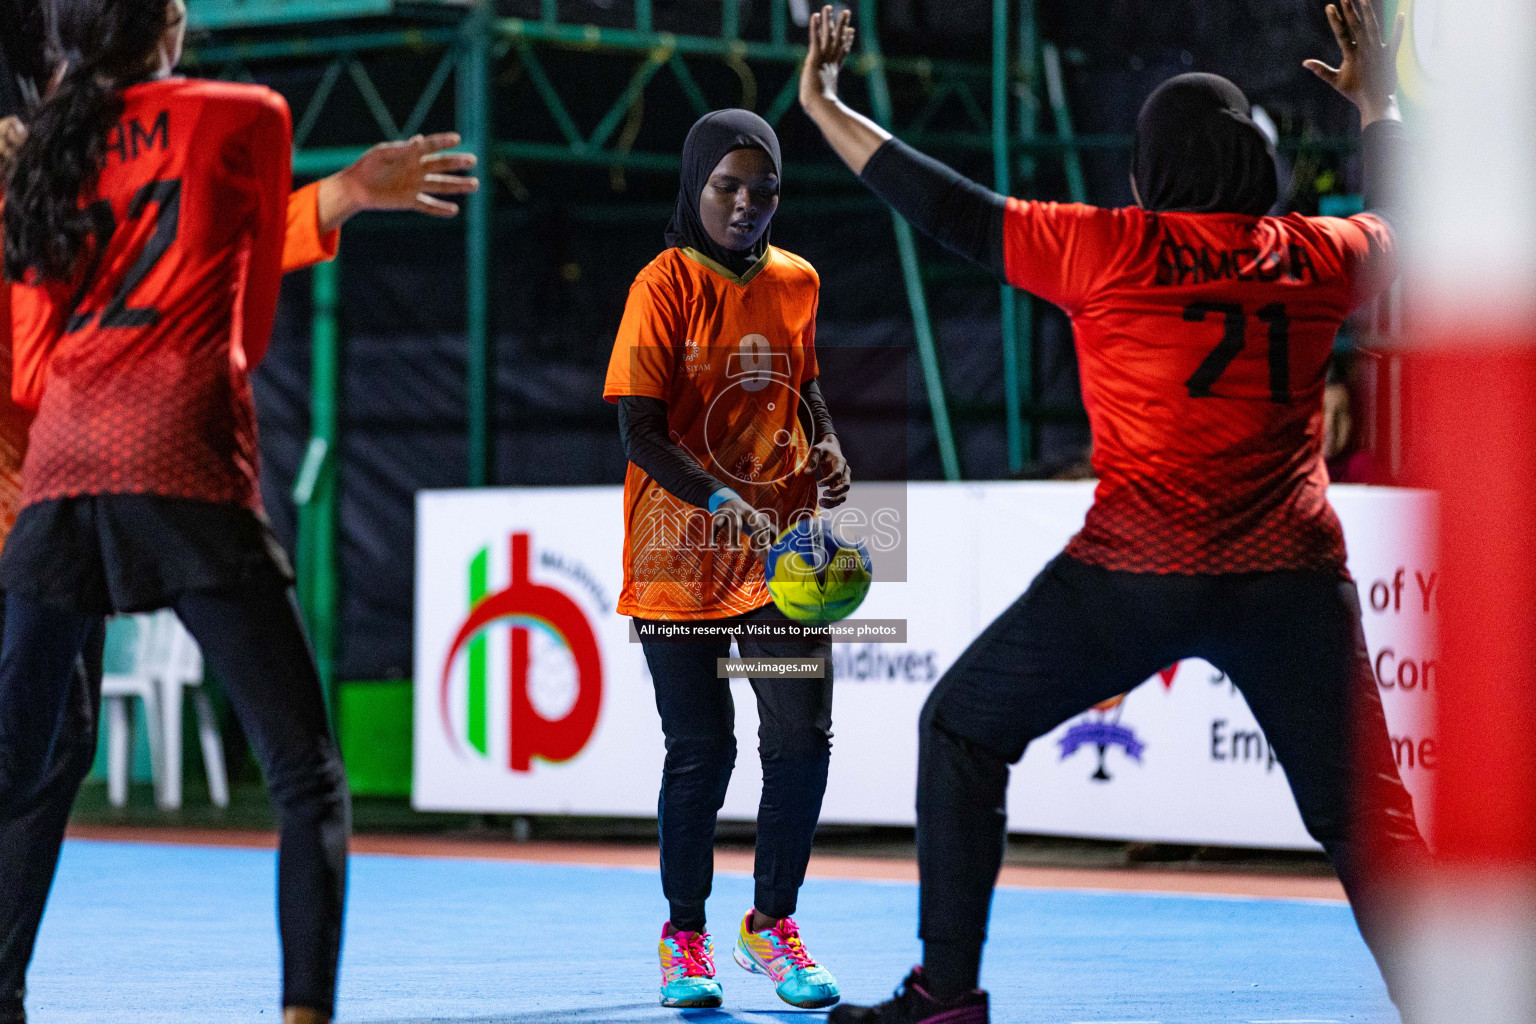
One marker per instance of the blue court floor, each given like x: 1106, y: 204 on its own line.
x: 186, y: 935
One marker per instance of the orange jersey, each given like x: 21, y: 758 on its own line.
x: 303, y: 244
x: 728, y: 355
x: 1202, y: 342
x: 142, y: 386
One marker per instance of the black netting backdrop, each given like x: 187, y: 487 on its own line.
x: 570, y: 240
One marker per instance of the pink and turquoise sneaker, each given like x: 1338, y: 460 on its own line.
x: 779, y: 953
x: 688, y: 970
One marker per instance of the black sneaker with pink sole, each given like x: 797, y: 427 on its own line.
x: 913, y: 1005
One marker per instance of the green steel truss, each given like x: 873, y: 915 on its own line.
x: 987, y: 107
x: 473, y: 47
x: 217, y: 14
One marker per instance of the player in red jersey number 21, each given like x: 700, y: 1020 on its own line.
x: 1203, y: 329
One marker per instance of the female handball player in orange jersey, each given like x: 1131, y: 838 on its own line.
x: 723, y: 422
x: 150, y: 535
x: 1203, y: 329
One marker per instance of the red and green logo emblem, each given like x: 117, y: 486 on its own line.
x: 516, y: 614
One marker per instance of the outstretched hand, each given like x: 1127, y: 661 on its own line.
x: 831, y: 41
x: 1367, y: 74
x: 408, y: 175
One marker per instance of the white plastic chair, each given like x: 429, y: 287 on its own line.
x: 165, y: 663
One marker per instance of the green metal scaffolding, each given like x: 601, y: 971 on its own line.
x: 469, y: 42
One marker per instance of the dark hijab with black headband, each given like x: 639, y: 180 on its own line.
x: 1198, y: 150
x: 711, y: 138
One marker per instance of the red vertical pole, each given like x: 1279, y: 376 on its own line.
x: 1473, y: 938
x: 1472, y: 941
x: 1480, y: 401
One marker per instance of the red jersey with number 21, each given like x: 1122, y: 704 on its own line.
x: 140, y: 371
x: 1203, y: 344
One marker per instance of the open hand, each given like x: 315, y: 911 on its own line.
x: 737, y: 524
x: 831, y: 41
x: 1367, y: 74
x: 831, y: 469
x: 407, y: 175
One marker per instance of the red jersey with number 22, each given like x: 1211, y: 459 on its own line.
x: 1203, y: 344
x: 140, y: 371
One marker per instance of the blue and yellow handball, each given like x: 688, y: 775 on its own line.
x: 817, y: 575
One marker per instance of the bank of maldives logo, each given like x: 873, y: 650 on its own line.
x: 550, y: 648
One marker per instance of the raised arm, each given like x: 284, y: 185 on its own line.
x: 852, y: 136
x: 1367, y: 77
x: 961, y: 215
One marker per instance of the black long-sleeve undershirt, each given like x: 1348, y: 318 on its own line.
x: 815, y: 417
x: 964, y: 217
x: 968, y: 219
x: 648, y: 444
x: 1384, y: 151
x: 647, y: 441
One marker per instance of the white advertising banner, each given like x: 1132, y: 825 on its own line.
x: 531, y: 698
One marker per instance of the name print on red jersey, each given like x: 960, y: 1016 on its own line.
x: 128, y: 139
x: 1182, y: 263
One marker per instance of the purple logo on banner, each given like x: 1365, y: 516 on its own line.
x: 1103, y: 732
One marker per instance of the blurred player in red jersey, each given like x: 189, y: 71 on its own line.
x: 390, y: 176
x: 198, y: 545
x: 145, y: 222
x: 1203, y: 329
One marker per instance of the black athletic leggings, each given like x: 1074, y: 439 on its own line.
x: 1291, y: 642
x: 32, y: 828
x: 254, y: 641
x: 794, y: 741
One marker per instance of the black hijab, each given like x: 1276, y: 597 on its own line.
x: 709, y: 140
x: 1198, y: 150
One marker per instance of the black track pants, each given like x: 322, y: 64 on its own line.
x: 1291, y: 642
x: 794, y: 741
x: 254, y: 642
